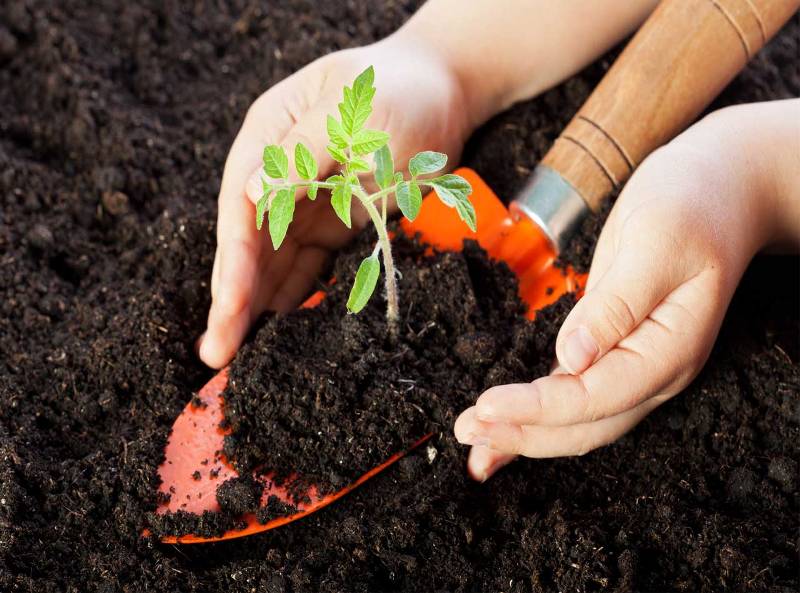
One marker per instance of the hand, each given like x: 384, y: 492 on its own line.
x: 665, y: 268
x: 419, y: 102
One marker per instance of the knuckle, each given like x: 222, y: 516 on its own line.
x: 619, y: 315
x: 589, y: 409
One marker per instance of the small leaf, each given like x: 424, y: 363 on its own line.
x: 337, y: 153
x: 276, y: 163
x: 466, y: 211
x: 356, y: 107
x: 359, y: 165
x: 336, y: 133
x: 365, y: 79
x: 454, y: 191
x: 364, y: 285
x: 340, y: 200
x: 262, y: 205
x: 312, y: 191
x: 334, y: 179
x: 304, y: 162
x: 409, y: 199
x: 280, y: 215
x: 398, y: 177
x: 384, y: 166
x: 367, y: 141
x: 451, y: 188
x: 427, y: 162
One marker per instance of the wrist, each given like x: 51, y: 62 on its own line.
x: 482, y: 92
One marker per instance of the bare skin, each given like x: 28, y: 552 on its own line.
x: 666, y: 265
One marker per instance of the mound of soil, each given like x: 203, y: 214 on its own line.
x: 319, y: 397
x: 115, y: 119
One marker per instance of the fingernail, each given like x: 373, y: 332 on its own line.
x: 580, y: 350
x: 486, y: 416
x: 477, y: 440
x: 474, y: 440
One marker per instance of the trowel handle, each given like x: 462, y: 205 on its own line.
x: 681, y: 58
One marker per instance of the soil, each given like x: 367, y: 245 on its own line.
x: 115, y: 119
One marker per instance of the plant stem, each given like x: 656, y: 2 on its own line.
x: 392, y: 302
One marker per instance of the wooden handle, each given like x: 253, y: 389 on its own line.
x: 680, y: 59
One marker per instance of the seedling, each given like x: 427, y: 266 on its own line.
x: 350, y: 145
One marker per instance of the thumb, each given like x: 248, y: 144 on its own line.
x: 310, y: 130
x: 638, y: 279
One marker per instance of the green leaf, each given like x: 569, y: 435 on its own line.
x: 337, y: 153
x: 409, y: 199
x: 304, y: 162
x: 357, y: 104
x: 364, y: 285
x: 466, y: 211
x: 366, y: 78
x: 367, y: 141
x: 398, y: 177
x: 280, y: 215
x: 340, y: 200
x: 359, y: 165
x: 427, y: 162
x: 454, y: 191
x: 276, y: 163
x: 336, y: 133
x: 451, y: 188
x: 334, y: 179
x: 384, y: 167
x: 312, y: 191
x: 262, y: 205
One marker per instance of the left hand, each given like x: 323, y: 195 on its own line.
x: 665, y: 268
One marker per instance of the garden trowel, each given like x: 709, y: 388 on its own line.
x: 681, y: 58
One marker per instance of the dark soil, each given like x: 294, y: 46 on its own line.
x: 115, y: 119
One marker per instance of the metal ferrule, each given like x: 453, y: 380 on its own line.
x: 553, y: 204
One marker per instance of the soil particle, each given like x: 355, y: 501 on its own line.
x: 89, y: 384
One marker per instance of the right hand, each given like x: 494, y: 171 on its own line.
x: 419, y: 102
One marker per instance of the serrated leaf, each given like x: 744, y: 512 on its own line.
x: 337, y: 153
x: 304, y: 162
x: 281, y: 213
x: 359, y: 165
x: 312, y: 191
x: 364, y: 285
x: 466, y: 211
x: 334, y: 179
x: 357, y: 105
x: 384, y: 166
x: 367, y: 141
x: 409, y: 199
x: 262, y: 205
x: 336, y: 133
x: 340, y: 200
x: 276, y: 163
x: 451, y: 188
x: 366, y: 78
x: 454, y: 191
x: 427, y: 162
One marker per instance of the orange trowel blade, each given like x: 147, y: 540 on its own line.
x: 193, y: 466
x: 517, y: 242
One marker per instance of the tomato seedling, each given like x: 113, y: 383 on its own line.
x: 350, y: 145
